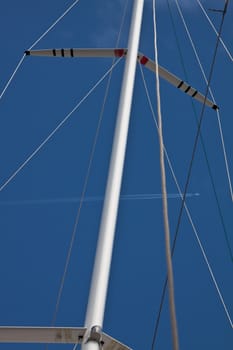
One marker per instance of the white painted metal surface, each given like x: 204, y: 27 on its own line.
x: 75, y: 52
x: 100, y: 277
x: 92, y: 337
x: 142, y: 59
x: 110, y: 343
x: 57, y: 335
x: 175, y: 81
x: 62, y: 335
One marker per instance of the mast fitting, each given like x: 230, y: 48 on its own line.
x: 95, y: 334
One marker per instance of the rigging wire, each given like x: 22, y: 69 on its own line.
x: 11, y: 177
x: 225, y: 155
x: 184, y: 205
x: 170, y: 276
x: 12, y: 76
x: 84, y: 189
x: 200, y: 119
x: 54, y: 24
x: 202, y: 141
x: 211, y: 94
x: 34, y: 44
x: 215, y: 30
x: 174, y: 241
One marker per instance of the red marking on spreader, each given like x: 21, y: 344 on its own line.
x: 144, y: 60
x: 119, y: 52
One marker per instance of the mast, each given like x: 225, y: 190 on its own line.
x: 101, y: 270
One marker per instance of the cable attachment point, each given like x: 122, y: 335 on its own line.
x: 95, y: 334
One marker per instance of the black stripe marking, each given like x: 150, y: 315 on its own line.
x: 72, y: 52
x: 194, y: 94
x: 180, y: 84
x: 54, y: 52
x: 188, y: 88
x: 62, y: 52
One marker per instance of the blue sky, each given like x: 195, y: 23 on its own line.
x: 36, y: 232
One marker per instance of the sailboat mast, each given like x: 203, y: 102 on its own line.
x: 101, y: 270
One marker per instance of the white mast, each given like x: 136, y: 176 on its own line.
x: 91, y: 336
x: 100, y: 277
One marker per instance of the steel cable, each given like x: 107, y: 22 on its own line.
x: 36, y: 42
x: 170, y: 277
x: 84, y: 189
x: 183, y: 204
x: 10, y: 178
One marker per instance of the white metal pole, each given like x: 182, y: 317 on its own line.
x: 100, y: 276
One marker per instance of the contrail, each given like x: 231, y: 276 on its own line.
x: 126, y: 197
